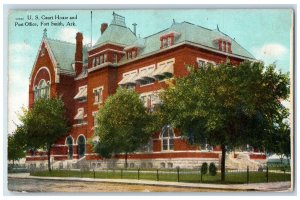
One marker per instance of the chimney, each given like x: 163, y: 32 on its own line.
x: 78, y: 53
x: 134, y: 28
x: 103, y: 27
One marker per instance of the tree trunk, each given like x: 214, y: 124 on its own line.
x: 126, y: 164
x: 49, y: 164
x: 223, y: 147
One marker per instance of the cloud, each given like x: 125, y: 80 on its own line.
x: 21, y: 58
x: 19, y: 47
x: 69, y: 34
x: 270, y: 53
x: 16, y: 100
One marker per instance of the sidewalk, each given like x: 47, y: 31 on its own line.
x: 262, y: 187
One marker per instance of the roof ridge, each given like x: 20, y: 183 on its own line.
x: 61, y: 41
x: 197, y: 25
x: 157, y: 32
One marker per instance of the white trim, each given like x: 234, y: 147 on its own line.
x: 78, y: 138
x: 44, y: 67
x: 168, y: 139
x: 102, y: 90
x: 67, y: 138
x: 165, y: 62
x: 100, y: 66
x: 82, y: 92
x: 205, y: 61
x: 128, y: 76
x: 78, y: 125
x: 105, y: 50
x: 52, y: 58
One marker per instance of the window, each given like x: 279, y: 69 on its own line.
x: 81, y: 146
x: 101, y: 59
x: 167, y: 40
x: 79, y: 117
x: 105, y: 58
x: 165, y: 69
x: 93, y: 62
x: 133, y: 54
x: 202, y: 62
x: 128, y: 80
x: 98, y: 95
x: 145, y: 75
x: 224, y: 45
x: 81, y: 96
x: 150, y: 101
x: 70, y: 147
x: 42, y: 90
x: 129, y: 55
x: 115, y: 58
x: 95, y: 118
x: 167, y: 136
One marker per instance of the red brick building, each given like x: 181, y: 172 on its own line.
x: 86, y: 76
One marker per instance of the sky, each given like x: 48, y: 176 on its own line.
x: 265, y: 33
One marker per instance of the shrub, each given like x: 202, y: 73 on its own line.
x: 204, y: 168
x: 212, y: 169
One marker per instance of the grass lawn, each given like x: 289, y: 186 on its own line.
x: 170, y: 175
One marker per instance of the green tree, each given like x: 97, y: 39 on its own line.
x: 227, y: 105
x: 44, y: 123
x: 122, y: 124
x: 280, y: 143
x: 15, y: 146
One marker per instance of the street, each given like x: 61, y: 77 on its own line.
x: 34, y: 185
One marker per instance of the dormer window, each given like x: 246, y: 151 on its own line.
x: 168, y: 39
x: 100, y: 59
x: 115, y: 58
x: 224, y: 45
x: 131, y: 53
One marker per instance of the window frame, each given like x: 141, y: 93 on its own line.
x: 100, y: 97
x: 167, y: 139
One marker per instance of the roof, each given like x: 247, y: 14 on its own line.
x: 64, y: 54
x: 116, y: 34
x: 189, y: 32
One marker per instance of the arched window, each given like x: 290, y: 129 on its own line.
x: 167, y: 137
x: 81, y: 146
x: 42, y: 90
x: 70, y: 147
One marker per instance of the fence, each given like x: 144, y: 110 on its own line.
x: 175, y: 175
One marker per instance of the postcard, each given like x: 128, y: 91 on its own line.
x: 150, y: 100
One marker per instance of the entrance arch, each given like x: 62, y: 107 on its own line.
x: 81, y: 146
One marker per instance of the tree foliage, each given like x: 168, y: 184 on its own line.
x: 122, y: 124
x: 44, y: 123
x: 15, y: 146
x: 227, y: 105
